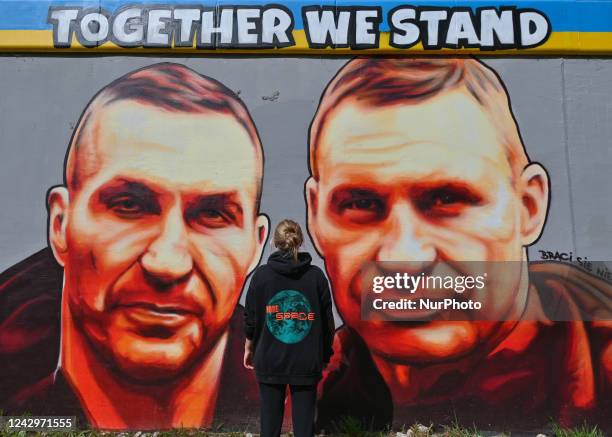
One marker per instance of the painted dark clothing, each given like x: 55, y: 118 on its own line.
x: 30, y: 301
x: 557, y: 370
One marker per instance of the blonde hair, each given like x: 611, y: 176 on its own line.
x: 288, y: 236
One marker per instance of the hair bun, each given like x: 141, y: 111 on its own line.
x: 288, y: 236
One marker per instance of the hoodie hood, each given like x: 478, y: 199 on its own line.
x: 282, y: 262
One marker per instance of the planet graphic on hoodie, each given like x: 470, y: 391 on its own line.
x: 289, y: 330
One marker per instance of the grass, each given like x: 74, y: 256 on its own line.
x: 349, y: 426
x: 345, y: 427
x: 583, y: 430
x: 352, y: 427
x: 455, y: 430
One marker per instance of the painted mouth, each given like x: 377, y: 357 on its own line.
x: 149, y: 314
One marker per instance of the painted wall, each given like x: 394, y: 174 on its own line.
x: 155, y: 229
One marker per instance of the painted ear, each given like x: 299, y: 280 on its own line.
x: 57, y: 204
x: 262, y: 229
x: 535, y: 191
x: 311, y: 192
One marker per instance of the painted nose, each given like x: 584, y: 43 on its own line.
x: 406, y: 239
x: 167, y: 258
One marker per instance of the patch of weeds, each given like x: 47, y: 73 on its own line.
x: 456, y: 430
x: 85, y: 433
x: 235, y: 434
x: 350, y: 426
x: 12, y: 433
x: 583, y: 430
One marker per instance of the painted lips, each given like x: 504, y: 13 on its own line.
x: 157, y: 315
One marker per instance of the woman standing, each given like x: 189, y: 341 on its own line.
x: 289, y: 329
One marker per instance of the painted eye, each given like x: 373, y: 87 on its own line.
x: 210, y: 218
x: 212, y: 214
x: 446, y: 202
x: 445, y: 198
x: 127, y: 206
x: 359, y: 207
x: 363, y: 204
x: 213, y: 211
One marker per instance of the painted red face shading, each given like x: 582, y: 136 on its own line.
x: 404, y: 183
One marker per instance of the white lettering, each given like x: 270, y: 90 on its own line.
x: 364, y: 27
x: 377, y: 284
x: 501, y: 25
x: 275, y: 24
x: 128, y: 27
x: 157, y: 33
x: 433, y: 19
x: 224, y: 29
x: 406, y: 33
x: 322, y: 27
x: 461, y: 27
x: 245, y: 23
x: 62, y: 19
x: 186, y: 19
x: 94, y: 27
x: 535, y: 20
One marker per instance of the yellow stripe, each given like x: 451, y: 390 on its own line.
x: 559, y: 43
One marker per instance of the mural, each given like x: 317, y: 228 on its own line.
x: 155, y: 246
x: 397, y: 174
x: 131, y: 317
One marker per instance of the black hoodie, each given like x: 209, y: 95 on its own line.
x: 288, y: 316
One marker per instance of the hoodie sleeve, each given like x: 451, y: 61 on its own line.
x: 250, y: 311
x: 327, y: 318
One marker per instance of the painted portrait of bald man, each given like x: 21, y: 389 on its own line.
x: 151, y: 238
x: 420, y: 161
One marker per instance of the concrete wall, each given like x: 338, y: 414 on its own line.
x: 559, y: 370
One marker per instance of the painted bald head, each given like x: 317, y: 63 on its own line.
x: 158, y: 225
x: 168, y: 87
x: 383, y: 82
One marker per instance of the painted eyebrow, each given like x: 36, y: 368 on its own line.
x: 459, y: 187
x: 125, y: 186
x: 231, y: 198
x: 353, y: 193
x: 357, y: 190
